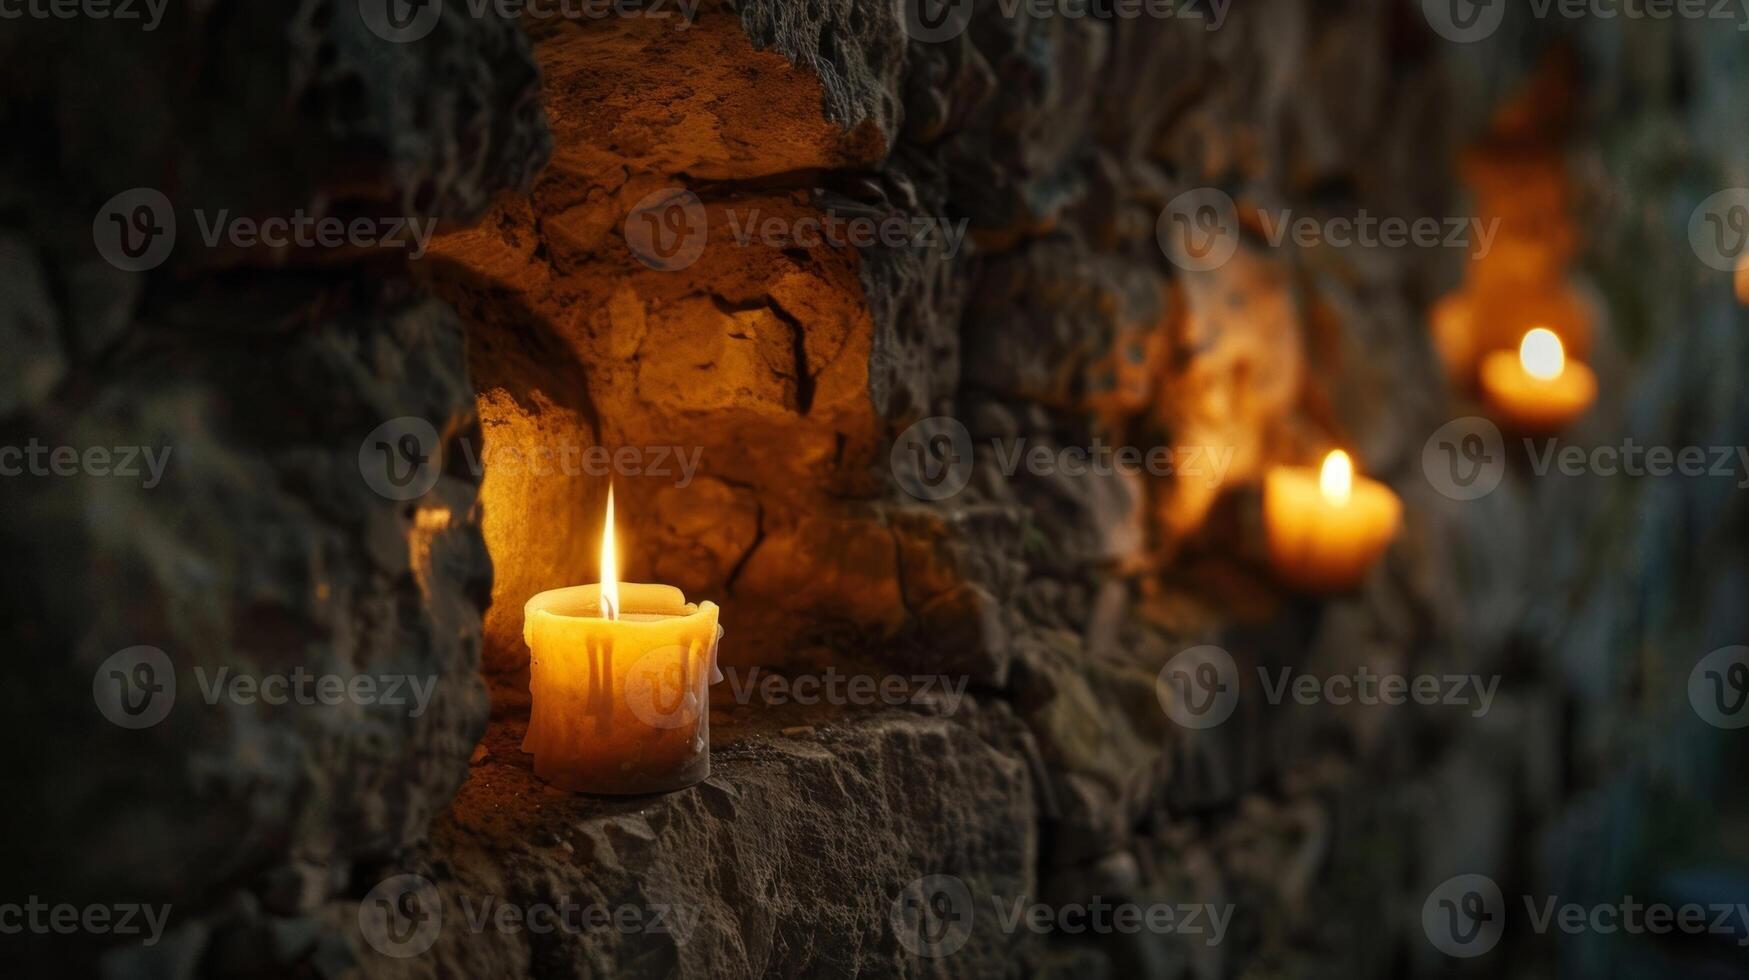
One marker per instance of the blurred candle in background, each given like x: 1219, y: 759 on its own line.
x: 1327, y: 527
x: 1537, y: 389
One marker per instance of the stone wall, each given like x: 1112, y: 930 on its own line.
x: 797, y: 371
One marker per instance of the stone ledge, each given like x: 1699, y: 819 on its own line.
x: 786, y: 861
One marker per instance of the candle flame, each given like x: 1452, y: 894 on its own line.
x: 1542, y: 355
x: 609, y: 565
x: 1337, y: 479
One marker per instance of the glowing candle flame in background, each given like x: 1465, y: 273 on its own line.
x: 609, y: 565
x: 1542, y: 355
x: 1336, y: 481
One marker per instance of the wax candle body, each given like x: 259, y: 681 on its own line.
x: 620, y: 706
x: 1533, y: 405
x: 1321, y: 545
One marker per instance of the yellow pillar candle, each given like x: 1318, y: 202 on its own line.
x: 619, y: 679
x: 1537, y: 390
x: 1327, y: 527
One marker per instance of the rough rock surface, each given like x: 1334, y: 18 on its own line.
x: 792, y: 368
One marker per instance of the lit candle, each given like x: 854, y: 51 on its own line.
x: 1537, y: 389
x: 619, y: 678
x: 1327, y: 528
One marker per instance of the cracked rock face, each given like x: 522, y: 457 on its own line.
x: 648, y: 271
